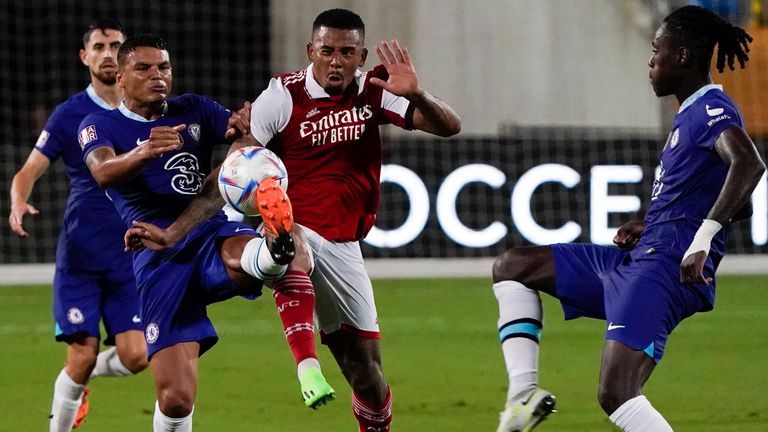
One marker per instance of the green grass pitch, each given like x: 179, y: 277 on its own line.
x: 441, y: 357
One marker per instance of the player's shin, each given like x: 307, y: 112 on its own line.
x: 638, y: 415
x: 163, y: 423
x: 257, y: 261
x: 66, y: 401
x: 520, y: 317
x: 370, y: 418
x: 295, y: 301
x: 108, y: 364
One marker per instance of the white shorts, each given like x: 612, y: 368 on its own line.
x: 343, y: 289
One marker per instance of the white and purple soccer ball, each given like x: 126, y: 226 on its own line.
x: 241, y: 173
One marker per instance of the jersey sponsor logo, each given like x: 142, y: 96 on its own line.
x: 42, y: 139
x: 75, y: 316
x: 345, y: 125
x: 717, y: 119
x: 189, y: 180
x: 674, y: 139
x: 613, y: 326
x: 713, y: 112
x: 152, y: 333
x: 194, y: 131
x: 86, y: 135
x: 136, y: 319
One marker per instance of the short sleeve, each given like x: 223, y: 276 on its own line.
x: 271, y: 111
x: 710, y: 120
x: 92, y: 135
x: 51, y: 140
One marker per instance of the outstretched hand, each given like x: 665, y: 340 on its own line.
x: 16, y: 218
x: 402, y: 79
x: 146, y: 235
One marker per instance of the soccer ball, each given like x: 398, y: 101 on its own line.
x: 241, y: 173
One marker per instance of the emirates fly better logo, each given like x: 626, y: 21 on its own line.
x: 345, y: 125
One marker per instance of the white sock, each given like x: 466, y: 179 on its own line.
x: 638, y: 415
x: 66, y: 401
x: 108, y: 364
x: 163, y: 423
x: 520, y: 316
x: 257, y: 261
x: 309, y: 362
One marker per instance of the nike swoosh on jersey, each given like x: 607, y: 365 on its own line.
x: 614, y: 327
x: 140, y: 142
x: 244, y: 229
x: 714, y: 111
x: 136, y: 319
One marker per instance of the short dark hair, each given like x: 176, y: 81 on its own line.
x: 339, y: 19
x: 102, y: 25
x: 142, y: 40
x: 701, y: 29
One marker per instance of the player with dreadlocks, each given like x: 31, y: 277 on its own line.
x: 664, y: 267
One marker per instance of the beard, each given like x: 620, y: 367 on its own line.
x: 333, y: 90
x: 107, y: 78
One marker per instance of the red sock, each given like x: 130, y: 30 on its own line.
x: 295, y: 300
x: 373, y: 419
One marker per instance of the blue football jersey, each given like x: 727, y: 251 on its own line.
x: 166, y: 185
x: 91, y: 236
x: 691, y: 174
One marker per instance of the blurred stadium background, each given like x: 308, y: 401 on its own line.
x: 560, y: 138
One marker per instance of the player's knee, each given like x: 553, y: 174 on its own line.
x: 175, y: 403
x: 134, y: 358
x: 367, y: 380
x: 81, y: 359
x: 612, y: 396
x: 508, y: 266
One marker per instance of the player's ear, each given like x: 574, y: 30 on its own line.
x: 309, y: 51
x: 83, y: 56
x: 363, y: 56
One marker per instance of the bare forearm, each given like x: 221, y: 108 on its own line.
x: 117, y: 170
x: 205, y: 205
x: 434, y: 115
x: 21, y: 187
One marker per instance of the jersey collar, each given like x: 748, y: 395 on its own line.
x: 315, y: 91
x: 133, y: 116
x: 696, y: 95
x: 96, y: 98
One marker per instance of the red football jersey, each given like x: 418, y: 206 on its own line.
x: 331, y: 147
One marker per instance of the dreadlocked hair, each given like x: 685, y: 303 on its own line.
x: 701, y: 29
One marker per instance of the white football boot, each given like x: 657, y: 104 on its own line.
x: 527, y: 410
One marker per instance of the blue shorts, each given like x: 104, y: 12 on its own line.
x: 639, y: 294
x: 176, y: 286
x: 82, y: 298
